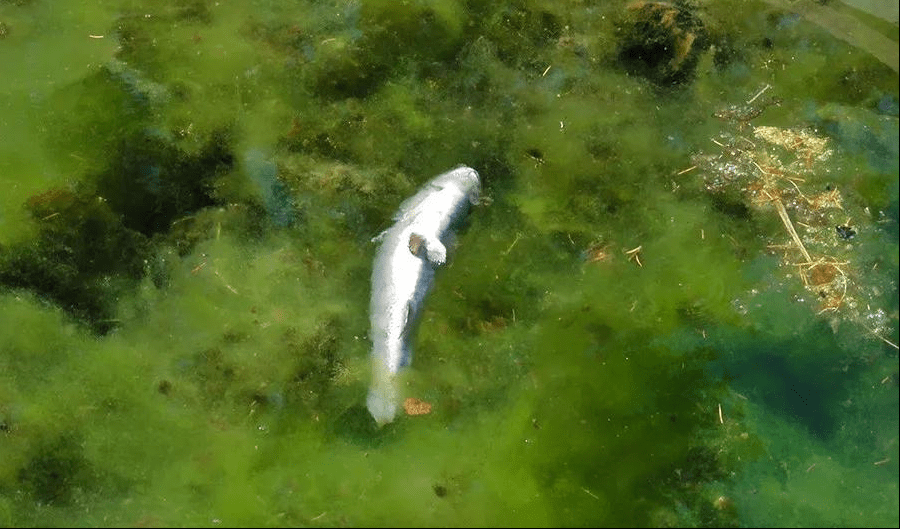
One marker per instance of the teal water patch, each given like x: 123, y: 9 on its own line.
x: 625, y: 333
x: 863, y: 132
x: 275, y: 197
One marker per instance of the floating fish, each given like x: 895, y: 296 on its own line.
x: 403, y: 273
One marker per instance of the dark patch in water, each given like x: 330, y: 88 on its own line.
x: 799, y: 379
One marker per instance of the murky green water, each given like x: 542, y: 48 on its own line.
x: 626, y: 333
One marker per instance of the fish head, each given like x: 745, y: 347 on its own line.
x: 469, y: 183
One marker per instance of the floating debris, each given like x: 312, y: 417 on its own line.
x: 845, y: 232
x: 744, y: 113
x: 786, y: 170
x: 597, y: 252
x: 416, y: 407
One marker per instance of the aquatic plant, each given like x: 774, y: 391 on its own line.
x: 617, y: 344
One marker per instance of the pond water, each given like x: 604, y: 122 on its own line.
x: 675, y: 305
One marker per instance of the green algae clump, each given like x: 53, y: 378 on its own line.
x: 184, y: 306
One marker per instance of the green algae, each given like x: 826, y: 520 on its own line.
x: 574, y: 380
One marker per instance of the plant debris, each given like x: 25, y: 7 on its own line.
x: 784, y: 170
x: 414, y: 406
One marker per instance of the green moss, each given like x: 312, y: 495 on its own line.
x: 247, y: 154
x: 425, y: 29
x: 55, y: 472
x: 80, y: 245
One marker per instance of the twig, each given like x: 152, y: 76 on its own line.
x: 752, y: 99
x: 880, y: 337
x: 635, y: 253
x: 790, y: 228
x: 518, y: 236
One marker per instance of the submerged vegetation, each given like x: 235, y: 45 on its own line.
x: 677, y: 304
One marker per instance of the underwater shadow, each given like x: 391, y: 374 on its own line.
x: 357, y: 427
x: 802, y: 379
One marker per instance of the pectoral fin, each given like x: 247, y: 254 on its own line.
x: 436, y: 251
x: 429, y: 248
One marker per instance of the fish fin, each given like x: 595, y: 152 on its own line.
x: 380, y: 236
x: 435, y: 251
x: 429, y: 248
x: 382, y: 399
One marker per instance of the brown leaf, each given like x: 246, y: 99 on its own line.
x: 416, y: 407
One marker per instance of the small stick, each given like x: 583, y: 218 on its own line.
x: 752, y: 99
x: 635, y: 253
x: 518, y: 235
x: 880, y: 337
x: 790, y: 228
x: 763, y: 171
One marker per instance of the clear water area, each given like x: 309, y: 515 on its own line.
x: 626, y: 333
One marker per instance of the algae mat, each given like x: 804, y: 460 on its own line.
x: 676, y: 304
